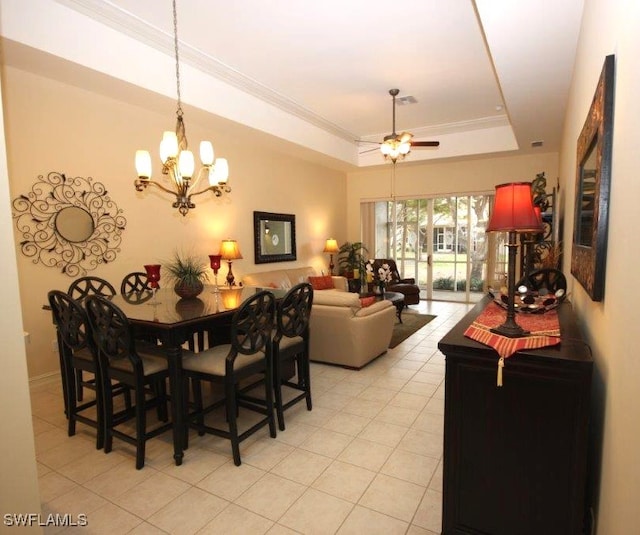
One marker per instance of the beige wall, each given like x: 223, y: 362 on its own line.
x: 611, y: 27
x: 444, y: 177
x: 19, y: 480
x: 52, y: 126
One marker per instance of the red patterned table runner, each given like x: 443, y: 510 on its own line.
x: 544, y: 329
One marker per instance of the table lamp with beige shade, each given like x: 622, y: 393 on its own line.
x: 331, y: 247
x: 230, y: 251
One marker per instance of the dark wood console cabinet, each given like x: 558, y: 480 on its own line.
x: 515, y: 456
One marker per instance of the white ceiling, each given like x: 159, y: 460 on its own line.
x: 489, y: 76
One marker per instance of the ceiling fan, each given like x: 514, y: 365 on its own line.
x: 396, y: 146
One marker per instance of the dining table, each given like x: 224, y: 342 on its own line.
x: 176, y: 322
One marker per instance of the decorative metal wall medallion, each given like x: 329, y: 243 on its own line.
x: 69, y: 223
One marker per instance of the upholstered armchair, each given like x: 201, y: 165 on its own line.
x: 405, y: 286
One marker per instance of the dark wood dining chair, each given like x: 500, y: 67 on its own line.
x: 291, y: 344
x: 248, y: 355
x: 140, y: 366
x: 83, y: 287
x: 79, y: 289
x: 135, y: 282
x: 78, y: 352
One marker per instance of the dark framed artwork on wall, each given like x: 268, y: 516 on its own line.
x: 274, y: 237
x: 593, y: 180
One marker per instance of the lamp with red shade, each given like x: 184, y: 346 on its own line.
x: 215, y: 266
x: 513, y: 212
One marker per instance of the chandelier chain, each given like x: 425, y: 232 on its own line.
x: 175, y: 44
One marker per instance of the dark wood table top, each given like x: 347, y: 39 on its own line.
x: 170, y: 310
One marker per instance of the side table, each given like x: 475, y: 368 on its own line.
x: 397, y: 299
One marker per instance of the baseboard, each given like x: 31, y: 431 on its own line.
x: 44, y: 378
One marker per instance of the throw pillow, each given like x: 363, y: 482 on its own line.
x: 367, y: 301
x: 321, y: 283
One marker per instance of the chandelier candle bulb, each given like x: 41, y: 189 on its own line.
x: 168, y: 146
x: 143, y: 164
x: 221, y: 171
x: 186, y: 163
x: 206, y: 153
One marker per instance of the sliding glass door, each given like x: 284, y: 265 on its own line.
x: 439, y: 241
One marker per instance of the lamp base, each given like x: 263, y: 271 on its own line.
x: 230, y: 278
x: 510, y: 329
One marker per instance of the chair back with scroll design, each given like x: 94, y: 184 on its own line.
x: 291, y: 344
x: 77, y: 352
x: 79, y: 290
x: 85, y: 286
x: 135, y: 282
x: 138, y: 365
x: 248, y: 355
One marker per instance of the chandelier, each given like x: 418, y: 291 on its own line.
x: 177, y: 160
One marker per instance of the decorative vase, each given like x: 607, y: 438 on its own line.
x: 188, y: 291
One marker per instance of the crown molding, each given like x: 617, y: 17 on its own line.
x: 481, y: 123
x: 128, y: 24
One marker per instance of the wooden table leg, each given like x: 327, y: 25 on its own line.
x: 174, y: 354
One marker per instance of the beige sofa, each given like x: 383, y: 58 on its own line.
x: 342, y: 331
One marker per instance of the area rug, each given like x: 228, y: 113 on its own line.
x: 411, y: 322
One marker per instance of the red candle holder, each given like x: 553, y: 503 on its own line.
x: 215, y: 266
x: 153, y: 274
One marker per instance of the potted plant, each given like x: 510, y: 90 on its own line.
x: 351, y: 262
x: 188, y: 275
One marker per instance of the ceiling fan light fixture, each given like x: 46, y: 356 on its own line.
x: 394, y: 150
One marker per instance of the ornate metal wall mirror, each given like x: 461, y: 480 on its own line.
x: 68, y: 223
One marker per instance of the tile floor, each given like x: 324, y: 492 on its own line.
x: 366, y: 459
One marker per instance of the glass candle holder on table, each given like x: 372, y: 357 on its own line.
x: 153, y: 273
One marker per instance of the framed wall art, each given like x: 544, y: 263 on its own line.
x: 593, y: 179
x: 274, y: 237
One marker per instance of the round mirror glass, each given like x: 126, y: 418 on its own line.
x: 74, y: 224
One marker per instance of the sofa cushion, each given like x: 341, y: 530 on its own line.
x: 321, y: 283
x: 298, y: 275
x: 374, y: 308
x: 337, y: 299
x: 268, y: 279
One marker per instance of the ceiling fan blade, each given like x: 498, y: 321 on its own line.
x: 425, y: 143
x: 369, y: 150
x: 365, y: 141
